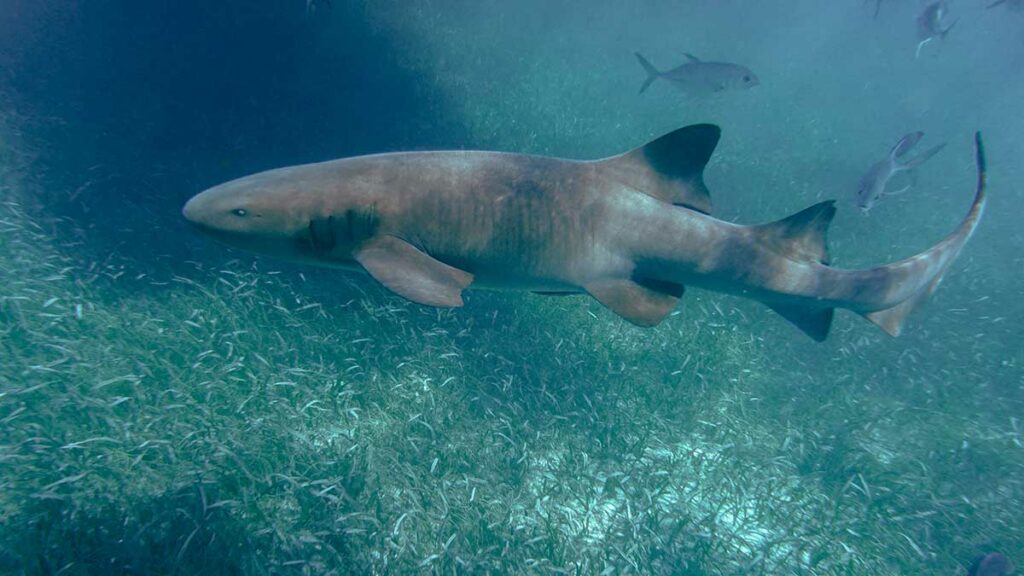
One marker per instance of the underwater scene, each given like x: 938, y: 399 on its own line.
x: 673, y: 287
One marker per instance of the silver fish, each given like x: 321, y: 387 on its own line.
x: 697, y: 77
x: 314, y: 5
x: 873, y: 184
x: 1011, y: 4
x: 929, y: 25
x: 878, y: 8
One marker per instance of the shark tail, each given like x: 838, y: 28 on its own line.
x: 923, y: 273
x: 652, y: 72
x: 885, y: 295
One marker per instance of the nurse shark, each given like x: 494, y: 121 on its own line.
x: 632, y: 231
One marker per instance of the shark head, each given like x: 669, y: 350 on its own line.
x: 296, y: 214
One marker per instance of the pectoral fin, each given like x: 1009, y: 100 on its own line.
x: 411, y: 273
x: 642, y: 305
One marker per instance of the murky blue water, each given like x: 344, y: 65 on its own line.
x: 169, y: 405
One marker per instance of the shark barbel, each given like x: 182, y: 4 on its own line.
x: 632, y: 231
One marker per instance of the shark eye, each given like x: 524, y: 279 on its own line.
x: 239, y: 212
x: 746, y: 78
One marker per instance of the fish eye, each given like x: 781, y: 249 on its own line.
x: 746, y: 78
x: 239, y: 212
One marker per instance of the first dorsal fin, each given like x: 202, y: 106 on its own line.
x: 670, y: 168
x: 802, y: 236
x: 693, y: 58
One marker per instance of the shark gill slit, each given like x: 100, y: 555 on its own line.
x: 321, y: 240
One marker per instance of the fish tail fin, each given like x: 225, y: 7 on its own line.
x: 652, y: 72
x: 920, y: 45
x: 943, y: 33
x: 923, y: 157
x: 908, y: 284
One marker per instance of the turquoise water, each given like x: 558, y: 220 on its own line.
x: 168, y: 405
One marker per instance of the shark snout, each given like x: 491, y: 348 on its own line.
x: 200, y: 211
x: 190, y: 211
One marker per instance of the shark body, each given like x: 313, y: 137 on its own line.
x: 632, y: 231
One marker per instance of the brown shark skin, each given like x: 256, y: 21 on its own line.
x: 541, y: 224
x: 513, y: 221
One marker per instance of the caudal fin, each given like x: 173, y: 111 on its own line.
x: 948, y: 29
x: 652, y: 72
x: 917, y: 277
x: 923, y: 157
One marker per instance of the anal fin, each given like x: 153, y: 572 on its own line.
x: 815, y: 322
x: 412, y: 273
x: 644, y: 304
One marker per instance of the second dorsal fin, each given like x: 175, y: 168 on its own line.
x: 802, y: 236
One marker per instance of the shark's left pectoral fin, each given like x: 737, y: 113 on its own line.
x: 815, y: 322
x: 411, y: 273
x: 644, y: 304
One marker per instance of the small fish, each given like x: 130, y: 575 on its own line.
x: 874, y: 182
x: 697, y: 77
x: 1011, y: 4
x: 878, y: 5
x: 878, y: 8
x: 992, y: 564
x: 929, y: 24
x: 314, y: 5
